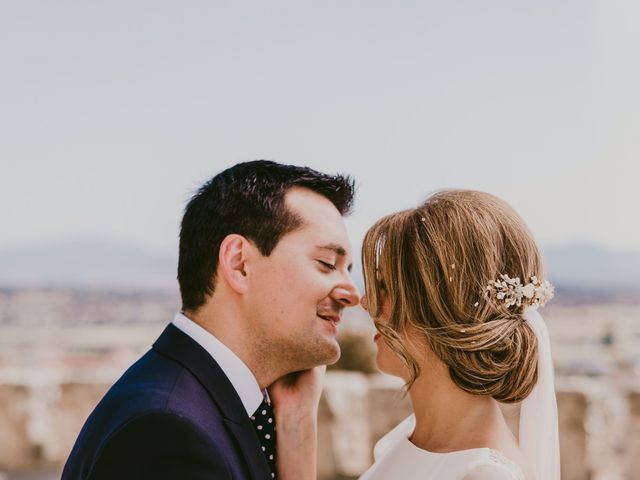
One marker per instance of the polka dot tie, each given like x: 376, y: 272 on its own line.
x: 264, y: 422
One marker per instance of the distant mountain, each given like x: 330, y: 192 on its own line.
x: 94, y: 262
x: 86, y: 262
x: 585, y: 266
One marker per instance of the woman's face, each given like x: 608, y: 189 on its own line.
x: 387, y: 360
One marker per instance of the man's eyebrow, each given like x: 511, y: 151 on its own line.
x: 334, y: 247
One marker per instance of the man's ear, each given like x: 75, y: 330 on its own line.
x: 232, y: 261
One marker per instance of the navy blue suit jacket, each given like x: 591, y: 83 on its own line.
x: 173, y: 414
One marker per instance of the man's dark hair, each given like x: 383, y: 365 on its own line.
x: 247, y: 199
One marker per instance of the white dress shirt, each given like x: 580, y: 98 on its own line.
x: 243, y: 381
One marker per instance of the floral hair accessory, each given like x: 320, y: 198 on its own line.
x: 512, y: 292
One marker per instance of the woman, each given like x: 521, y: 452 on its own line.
x: 453, y: 287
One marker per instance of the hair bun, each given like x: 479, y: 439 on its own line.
x: 499, y: 360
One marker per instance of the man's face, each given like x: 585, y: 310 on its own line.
x: 299, y: 291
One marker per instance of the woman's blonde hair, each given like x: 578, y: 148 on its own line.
x: 433, y: 263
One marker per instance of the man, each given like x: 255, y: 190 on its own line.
x: 264, y: 276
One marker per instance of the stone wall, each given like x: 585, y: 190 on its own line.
x: 366, y: 407
x: 39, y: 422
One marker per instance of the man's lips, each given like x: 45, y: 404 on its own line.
x: 334, y: 318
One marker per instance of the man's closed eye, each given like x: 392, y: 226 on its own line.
x: 327, y: 265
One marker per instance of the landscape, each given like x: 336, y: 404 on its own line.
x: 65, y: 339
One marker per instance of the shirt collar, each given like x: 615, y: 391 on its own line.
x: 243, y: 381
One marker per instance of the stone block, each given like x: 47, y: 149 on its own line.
x: 632, y: 449
x: 344, y: 430
x: 572, y: 413
x: 15, y: 449
x: 388, y: 405
x: 75, y: 402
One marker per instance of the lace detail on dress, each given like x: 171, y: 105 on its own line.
x: 495, y: 462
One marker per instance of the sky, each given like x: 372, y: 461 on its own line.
x: 113, y: 113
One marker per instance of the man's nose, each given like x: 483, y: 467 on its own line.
x: 347, y: 293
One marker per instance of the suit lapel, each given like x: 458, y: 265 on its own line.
x: 186, y: 351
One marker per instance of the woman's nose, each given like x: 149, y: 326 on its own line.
x: 363, y: 302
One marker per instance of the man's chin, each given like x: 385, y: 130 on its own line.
x: 329, y: 354
x: 331, y: 347
x: 334, y: 358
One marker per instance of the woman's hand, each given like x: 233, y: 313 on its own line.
x: 295, y: 399
x: 298, y: 391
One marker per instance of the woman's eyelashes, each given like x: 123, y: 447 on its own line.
x: 327, y: 265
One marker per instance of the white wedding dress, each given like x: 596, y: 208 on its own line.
x: 396, y: 458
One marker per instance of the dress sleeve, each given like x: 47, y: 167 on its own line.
x: 159, y: 446
x: 491, y: 472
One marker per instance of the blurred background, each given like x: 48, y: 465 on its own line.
x: 113, y: 113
